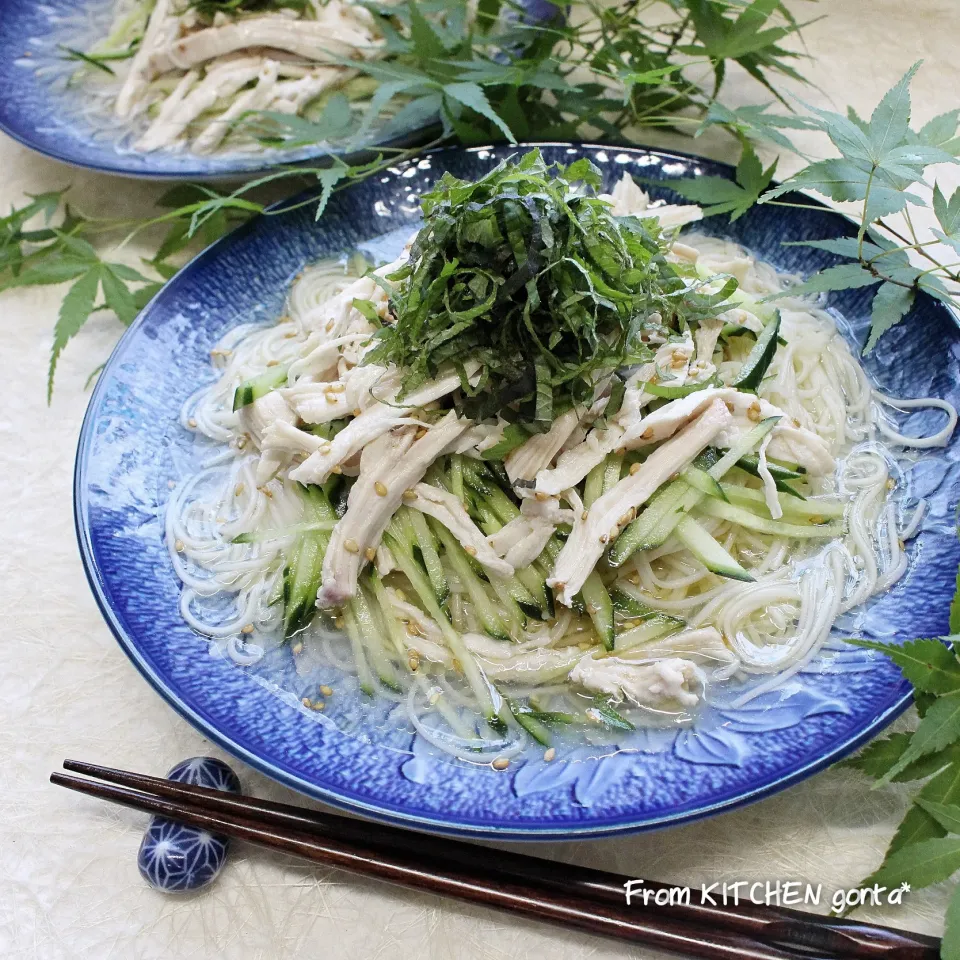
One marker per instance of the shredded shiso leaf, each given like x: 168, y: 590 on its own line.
x: 527, y: 274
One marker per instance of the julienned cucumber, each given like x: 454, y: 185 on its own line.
x: 301, y: 576
x: 483, y: 605
x: 675, y: 393
x: 777, y: 528
x: 652, y: 528
x: 629, y: 608
x: 825, y: 509
x: 751, y: 463
x: 645, y: 633
x: 702, y: 481
x: 259, y: 386
x: 427, y: 543
x: 710, y: 553
x: 755, y: 367
x: 600, y: 607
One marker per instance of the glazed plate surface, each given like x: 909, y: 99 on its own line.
x: 362, y: 756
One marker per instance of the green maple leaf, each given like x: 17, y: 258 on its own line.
x: 879, y: 159
x: 920, y: 864
x: 890, y: 305
x: 721, y: 195
x: 929, y: 665
x: 938, y: 729
x: 75, y: 309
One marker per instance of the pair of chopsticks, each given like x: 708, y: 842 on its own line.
x: 573, y: 896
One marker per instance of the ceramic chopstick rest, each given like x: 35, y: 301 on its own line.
x: 177, y: 858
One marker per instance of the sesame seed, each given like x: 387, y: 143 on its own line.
x: 420, y: 434
x: 634, y: 468
x: 331, y: 398
x: 585, y: 514
x: 336, y: 468
x: 317, y: 705
x: 325, y: 690
x: 266, y: 492
x: 501, y: 763
x: 351, y: 546
x: 434, y: 697
x: 179, y: 546
x: 338, y: 622
x: 414, y: 629
x: 248, y: 629
x: 413, y: 663
x: 890, y: 483
x: 241, y: 442
x: 329, y: 326
x: 370, y: 554
x: 273, y: 363
x: 647, y: 434
x: 325, y: 447
x: 297, y: 649
x: 541, y: 496
x: 410, y: 495
x: 549, y: 754
x: 192, y: 422
x: 614, y: 532
x: 472, y: 551
x: 357, y: 411
x: 381, y: 489
x: 238, y: 489
x: 457, y: 665
x: 290, y: 335
x: 603, y: 538
x: 307, y: 702
x: 620, y: 451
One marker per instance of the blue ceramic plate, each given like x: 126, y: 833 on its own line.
x: 132, y: 448
x: 44, y: 111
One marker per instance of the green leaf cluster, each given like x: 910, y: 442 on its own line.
x: 610, y: 69
x: 926, y: 846
x: 526, y: 275
x: 881, y: 160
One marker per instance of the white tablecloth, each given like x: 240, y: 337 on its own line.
x: 69, y: 885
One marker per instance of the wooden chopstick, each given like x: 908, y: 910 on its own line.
x: 767, y: 924
x: 587, y: 899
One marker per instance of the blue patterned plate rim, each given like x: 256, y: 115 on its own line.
x: 386, y: 812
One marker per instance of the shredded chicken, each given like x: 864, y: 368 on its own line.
x: 603, y: 520
x: 376, y: 419
x: 522, y: 540
x: 336, y: 33
x: 531, y: 457
x: 448, y: 510
x: 389, y: 465
x: 656, y: 684
x: 259, y: 419
x: 630, y: 200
